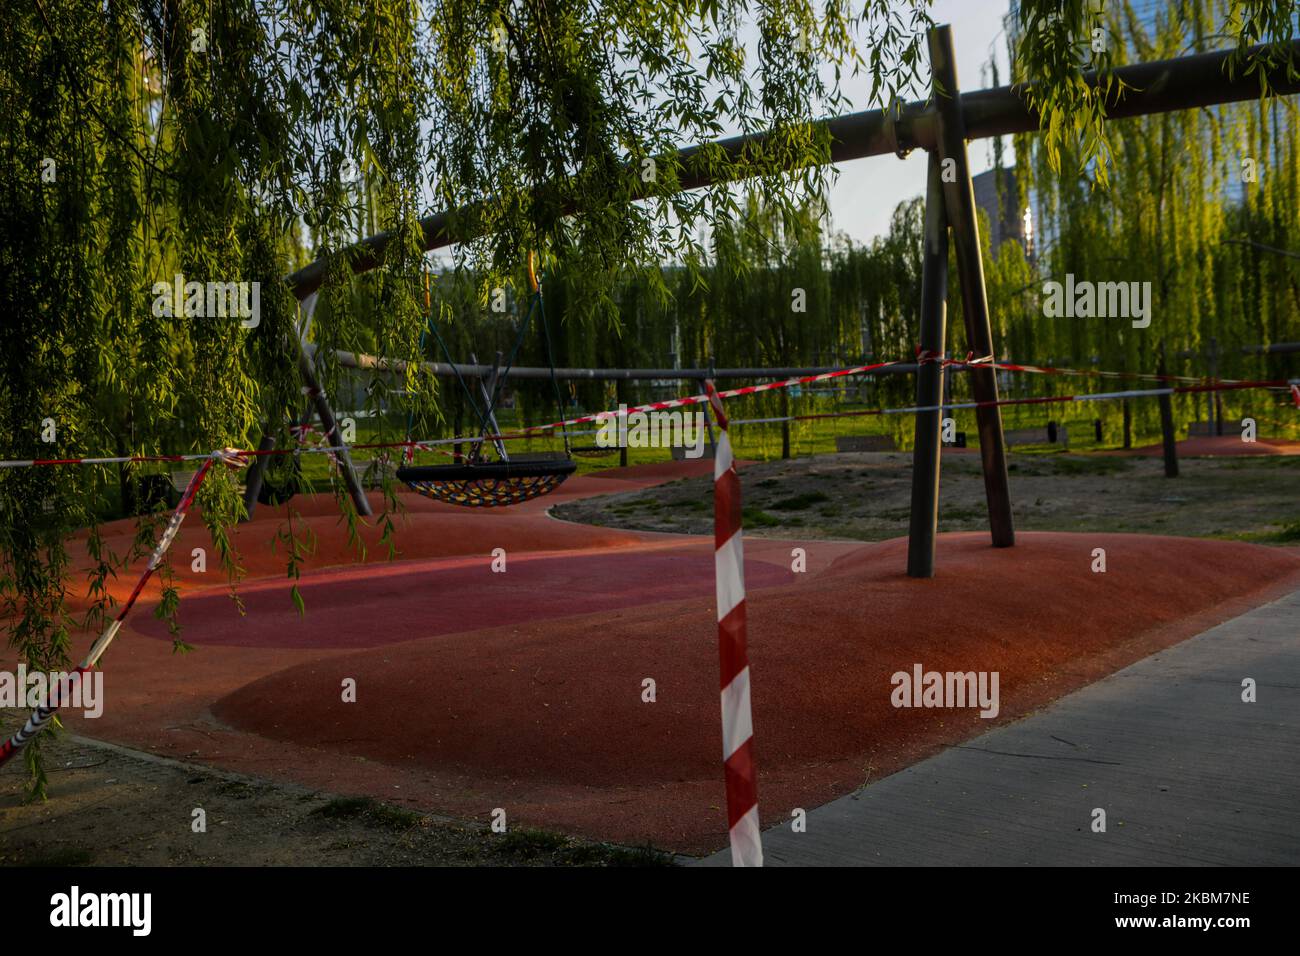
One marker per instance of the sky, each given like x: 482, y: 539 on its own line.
x: 864, y: 197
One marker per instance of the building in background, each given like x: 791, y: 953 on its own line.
x: 1005, y: 219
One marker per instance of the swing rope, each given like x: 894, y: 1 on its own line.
x: 478, y: 483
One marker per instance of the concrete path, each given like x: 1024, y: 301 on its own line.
x: 1187, y: 773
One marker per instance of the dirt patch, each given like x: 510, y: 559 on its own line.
x: 117, y: 808
x: 868, y: 497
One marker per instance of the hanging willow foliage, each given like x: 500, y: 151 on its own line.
x: 1187, y: 190
x: 233, y: 142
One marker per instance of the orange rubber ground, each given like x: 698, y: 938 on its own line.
x: 524, y: 690
x: 1218, y: 446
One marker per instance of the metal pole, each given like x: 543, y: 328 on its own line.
x: 1167, y: 425
x: 487, y: 391
x: 959, y: 201
x: 360, y: 360
x: 929, y: 382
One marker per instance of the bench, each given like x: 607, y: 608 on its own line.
x: 851, y: 443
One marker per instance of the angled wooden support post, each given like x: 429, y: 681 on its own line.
x: 256, y: 474
x: 330, y: 426
x: 257, y: 470
x: 929, y: 381
x: 959, y: 200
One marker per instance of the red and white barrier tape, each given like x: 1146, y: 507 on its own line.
x: 922, y: 357
x: 43, y: 715
x: 1041, y: 400
x: 926, y: 356
x: 733, y: 653
x: 695, y: 399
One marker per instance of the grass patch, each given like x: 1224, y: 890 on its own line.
x: 371, y: 811
x: 636, y: 856
x: 59, y: 856
x: 530, y: 842
x: 1090, y: 465
x: 1288, y: 534
x: 1043, y: 449
x: 799, y: 502
x: 758, y: 518
x: 534, y: 845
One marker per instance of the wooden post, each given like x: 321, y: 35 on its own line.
x: 256, y: 474
x: 959, y: 202
x: 330, y: 426
x: 620, y: 396
x: 1215, y: 398
x: 1167, y: 425
x: 929, y: 382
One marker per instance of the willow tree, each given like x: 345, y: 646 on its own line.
x: 148, y: 139
x: 1169, y: 204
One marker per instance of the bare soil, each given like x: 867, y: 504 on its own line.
x: 867, y: 497
x: 118, y: 807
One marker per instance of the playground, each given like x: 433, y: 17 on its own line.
x: 523, y: 689
x: 368, y: 582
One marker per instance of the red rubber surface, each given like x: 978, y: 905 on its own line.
x: 1217, y: 446
x: 386, y: 604
x: 547, y: 718
x: 524, y: 690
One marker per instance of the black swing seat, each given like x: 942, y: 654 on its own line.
x: 488, y: 484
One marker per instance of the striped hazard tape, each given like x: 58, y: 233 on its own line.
x: 44, y: 714
x: 737, y: 721
x: 923, y: 357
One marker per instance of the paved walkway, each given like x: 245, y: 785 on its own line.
x: 1188, y: 774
